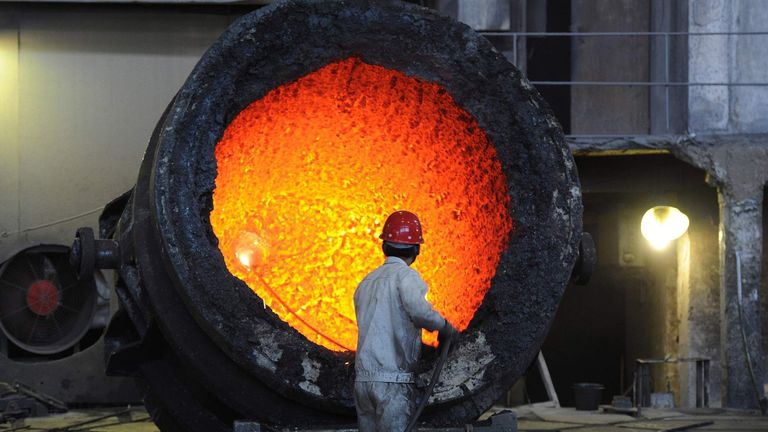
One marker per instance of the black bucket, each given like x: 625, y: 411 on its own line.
x: 587, y: 396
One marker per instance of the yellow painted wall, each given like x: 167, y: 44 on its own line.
x: 81, y: 89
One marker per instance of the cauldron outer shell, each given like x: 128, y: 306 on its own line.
x: 281, y: 43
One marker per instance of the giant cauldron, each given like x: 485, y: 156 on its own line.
x: 264, y: 187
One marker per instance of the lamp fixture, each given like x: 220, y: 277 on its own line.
x: 663, y: 224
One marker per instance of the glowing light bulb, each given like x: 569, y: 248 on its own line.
x: 251, y: 250
x: 663, y: 224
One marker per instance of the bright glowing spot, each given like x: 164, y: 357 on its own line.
x: 307, y: 175
x: 250, y: 249
x: 244, y: 258
x: 663, y: 224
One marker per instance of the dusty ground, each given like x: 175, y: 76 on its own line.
x: 530, y: 418
x: 667, y: 420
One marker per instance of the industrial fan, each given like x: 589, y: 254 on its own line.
x: 44, y: 307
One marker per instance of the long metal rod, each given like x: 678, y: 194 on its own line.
x: 666, y: 78
x: 514, y: 49
x: 549, y: 386
x: 652, y: 83
x: 664, y: 137
x: 567, y: 34
x: 44, y: 398
x: 435, y: 376
x: 515, y: 35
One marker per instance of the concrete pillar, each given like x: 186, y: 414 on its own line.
x: 684, y: 330
x: 698, y: 303
x: 736, y: 164
x: 741, y: 232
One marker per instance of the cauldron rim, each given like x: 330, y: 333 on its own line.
x: 542, y: 192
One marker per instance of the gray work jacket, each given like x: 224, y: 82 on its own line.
x: 391, y: 309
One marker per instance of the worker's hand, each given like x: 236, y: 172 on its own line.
x: 447, y: 332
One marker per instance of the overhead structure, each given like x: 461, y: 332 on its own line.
x: 265, y: 186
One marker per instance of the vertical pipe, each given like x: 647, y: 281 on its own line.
x: 666, y: 80
x: 514, y: 48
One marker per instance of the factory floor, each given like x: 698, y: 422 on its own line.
x: 649, y: 420
x: 530, y: 418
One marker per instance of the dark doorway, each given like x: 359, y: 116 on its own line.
x: 630, y: 307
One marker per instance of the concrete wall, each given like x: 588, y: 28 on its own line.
x: 731, y: 59
x: 610, y: 109
x: 750, y: 64
x: 81, y: 89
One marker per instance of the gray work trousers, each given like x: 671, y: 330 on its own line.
x: 383, y: 406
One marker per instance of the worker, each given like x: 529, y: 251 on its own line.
x: 391, y: 309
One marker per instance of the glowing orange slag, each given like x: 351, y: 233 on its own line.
x: 308, y: 174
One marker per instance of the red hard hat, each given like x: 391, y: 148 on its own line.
x: 402, y: 227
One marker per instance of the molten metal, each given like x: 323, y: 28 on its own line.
x: 308, y: 174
